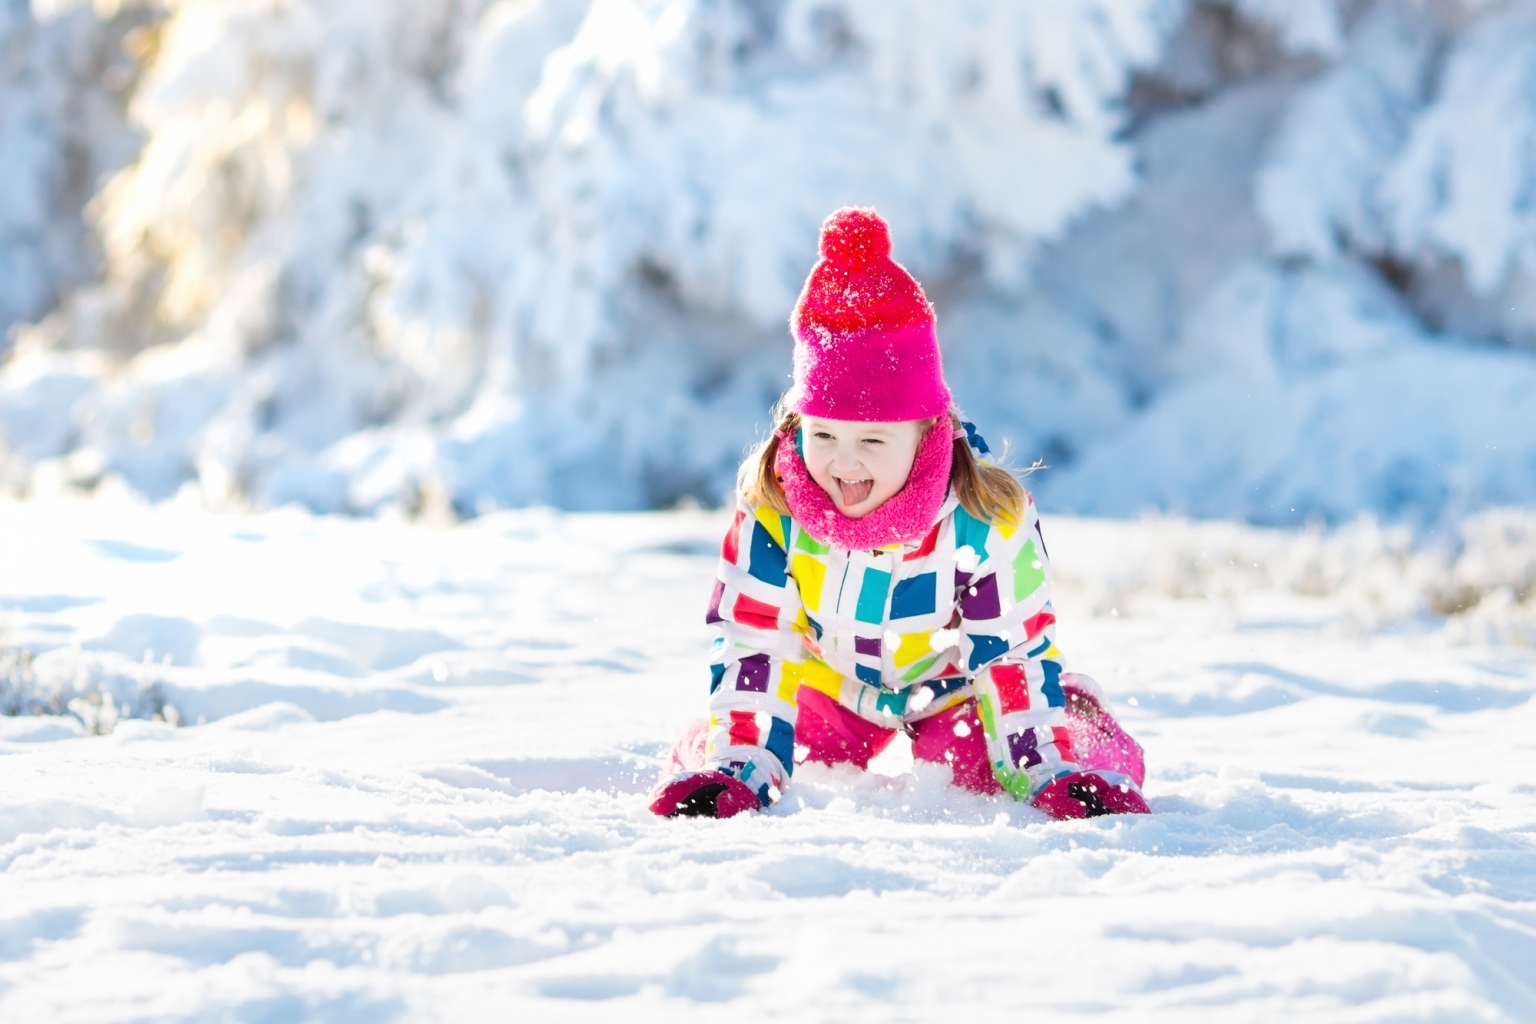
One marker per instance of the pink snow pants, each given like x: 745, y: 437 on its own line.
x: 831, y: 734
x: 836, y: 735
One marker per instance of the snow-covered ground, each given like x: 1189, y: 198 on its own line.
x: 408, y: 784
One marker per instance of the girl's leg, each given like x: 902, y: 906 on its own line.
x: 1098, y: 742
x: 835, y: 735
x: 954, y: 737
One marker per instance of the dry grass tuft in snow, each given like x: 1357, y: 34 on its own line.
x: 1480, y: 577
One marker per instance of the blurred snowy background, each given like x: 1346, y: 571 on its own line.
x: 1264, y: 259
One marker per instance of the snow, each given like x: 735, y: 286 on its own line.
x: 367, y: 251
x: 408, y: 782
x: 1459, y: 184
x: 1318, y: 187
x: 62, y: 72
x: 457, y: 264
x: 1303, y: 25
x: 1314, y: 398
x: 447, y: 257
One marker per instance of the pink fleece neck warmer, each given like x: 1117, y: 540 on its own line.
x: 907, y: 516
x: 866, y: 347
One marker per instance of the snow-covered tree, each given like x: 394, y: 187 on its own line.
x: 385, y: 252
x: 63, y: 73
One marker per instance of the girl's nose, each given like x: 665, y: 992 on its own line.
x: 846, y: 467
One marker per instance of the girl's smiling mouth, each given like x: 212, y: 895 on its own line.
x: 854, y: 491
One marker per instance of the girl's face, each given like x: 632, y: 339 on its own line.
x: 860, y: 465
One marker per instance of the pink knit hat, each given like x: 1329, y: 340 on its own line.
x: 865, y: 345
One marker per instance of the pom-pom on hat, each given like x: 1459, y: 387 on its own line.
x: 866, y: 348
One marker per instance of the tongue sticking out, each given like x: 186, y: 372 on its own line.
x: 855, y: 491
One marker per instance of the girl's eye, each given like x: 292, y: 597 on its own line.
x: 873, y: 440
x: 822, y: 435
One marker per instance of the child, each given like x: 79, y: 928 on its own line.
x: 878, y: 577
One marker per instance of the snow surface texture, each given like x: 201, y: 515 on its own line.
x: 445, y: 255
x: 409, y: 785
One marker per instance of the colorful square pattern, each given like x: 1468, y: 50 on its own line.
x: 978, y: 590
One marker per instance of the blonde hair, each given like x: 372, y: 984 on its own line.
x: 986, y: 490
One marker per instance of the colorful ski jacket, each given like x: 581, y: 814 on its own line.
x: 894, y: 634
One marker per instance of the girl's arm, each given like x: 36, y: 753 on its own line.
x: 1007, y: 638
x: 758, y: 621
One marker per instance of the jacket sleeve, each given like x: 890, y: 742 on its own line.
x: 1008, y: 641
x: 758, y: 621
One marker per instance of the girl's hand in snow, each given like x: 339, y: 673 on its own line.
x: 706, y: 794
x: 1090, y: 794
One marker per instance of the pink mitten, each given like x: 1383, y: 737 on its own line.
x: 705, y: 794
x: 1090, y: 794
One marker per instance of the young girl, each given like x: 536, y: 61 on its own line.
x: 878, y: 578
